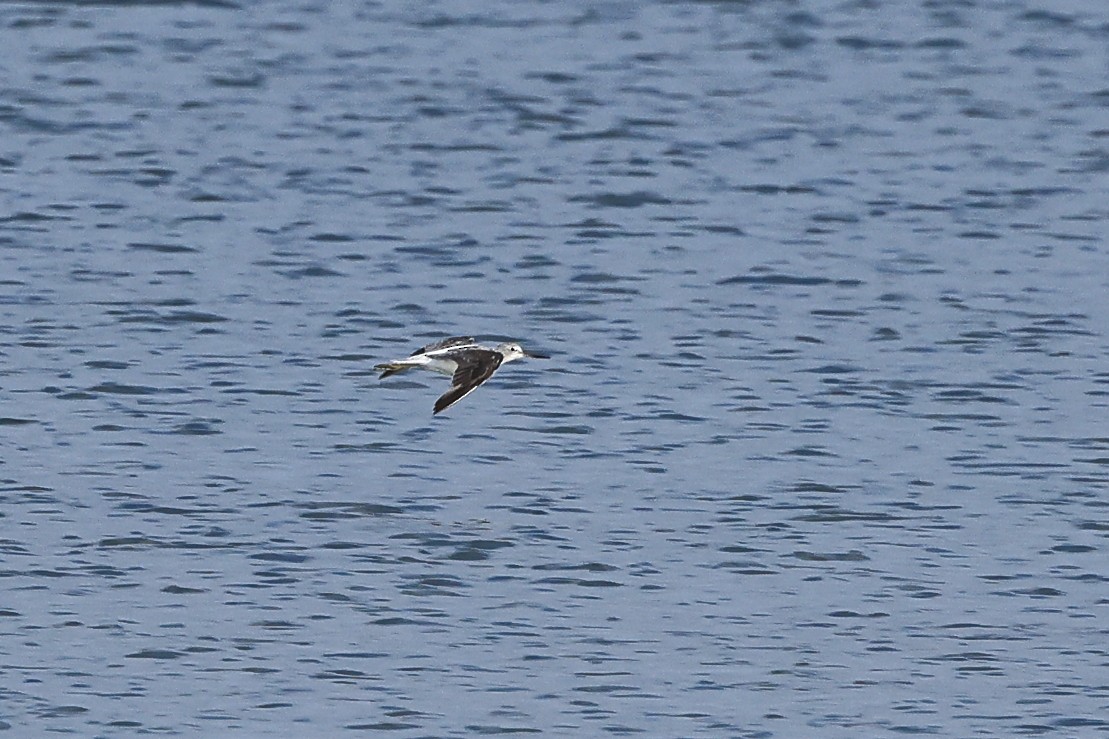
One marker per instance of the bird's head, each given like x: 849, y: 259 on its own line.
x: 512, y: 351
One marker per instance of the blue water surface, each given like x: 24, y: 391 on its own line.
x: 821, y: 450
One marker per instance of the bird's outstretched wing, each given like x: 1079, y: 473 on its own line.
x: 444, y: 344
x: 475, y: 366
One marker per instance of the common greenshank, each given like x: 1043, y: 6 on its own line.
x: 466, y: 362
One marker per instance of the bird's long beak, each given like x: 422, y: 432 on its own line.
x: 537, y: 356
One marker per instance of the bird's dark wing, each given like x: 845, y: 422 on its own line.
x: 475, y: 366
x: 452, y: 341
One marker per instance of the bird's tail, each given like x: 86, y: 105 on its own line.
x: 392, y: 368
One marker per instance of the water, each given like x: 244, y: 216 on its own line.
x: 821, y: 451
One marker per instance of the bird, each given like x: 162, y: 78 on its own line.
x: 467, y: 362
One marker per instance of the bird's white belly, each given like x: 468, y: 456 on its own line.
x: 442, y: 366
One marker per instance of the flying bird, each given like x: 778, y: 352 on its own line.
x: 466, y: 362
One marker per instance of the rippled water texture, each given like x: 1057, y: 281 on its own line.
x: 822, y: 449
